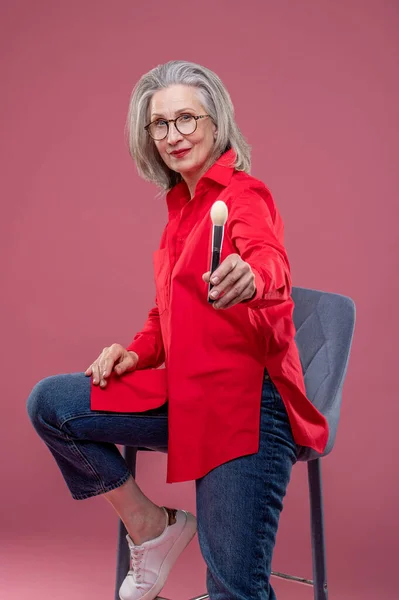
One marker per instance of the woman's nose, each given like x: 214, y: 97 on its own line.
x: 173, y: 134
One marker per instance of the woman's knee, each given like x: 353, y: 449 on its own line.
x: 53, y: 397
x: 40, y: 403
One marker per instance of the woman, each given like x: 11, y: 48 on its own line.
x: 230, y: 405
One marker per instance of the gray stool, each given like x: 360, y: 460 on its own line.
x: 324, y: 330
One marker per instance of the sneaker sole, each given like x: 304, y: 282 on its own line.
x: 186, y: 535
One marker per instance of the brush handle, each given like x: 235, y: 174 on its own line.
x: 217, y: 242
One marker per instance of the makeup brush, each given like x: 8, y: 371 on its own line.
x: 219, y: 215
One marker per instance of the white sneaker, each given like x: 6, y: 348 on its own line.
x: 151, y: 562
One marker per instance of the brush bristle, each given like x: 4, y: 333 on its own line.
x: 219, y: 213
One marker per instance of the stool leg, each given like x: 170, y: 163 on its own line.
x: 317, y: 529
x: 123, y: 558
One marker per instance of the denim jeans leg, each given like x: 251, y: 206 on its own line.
x: 82, y: 441
x: 239, y: 505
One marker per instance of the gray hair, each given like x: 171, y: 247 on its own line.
x: 217, y: 103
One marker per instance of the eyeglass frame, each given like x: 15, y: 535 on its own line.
x: 167, y: 121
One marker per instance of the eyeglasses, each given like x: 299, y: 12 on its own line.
x: 185, y: 124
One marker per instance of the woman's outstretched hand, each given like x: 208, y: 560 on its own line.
x: 235, y: 279
x: 113, y: 358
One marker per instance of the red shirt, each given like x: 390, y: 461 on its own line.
x: 215, y: 359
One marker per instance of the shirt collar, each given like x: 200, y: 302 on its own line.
x: 221, y: 172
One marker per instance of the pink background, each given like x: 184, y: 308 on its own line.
x: 316, y: 93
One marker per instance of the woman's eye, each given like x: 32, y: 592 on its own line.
x: 185, y: 117
x: 160, y: 123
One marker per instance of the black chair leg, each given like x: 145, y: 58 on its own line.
x: 122, y: 557
x: 317, y: 530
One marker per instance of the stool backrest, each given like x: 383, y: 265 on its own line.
x: 324, y: 325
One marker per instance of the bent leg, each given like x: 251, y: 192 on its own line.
x: 83, y: 441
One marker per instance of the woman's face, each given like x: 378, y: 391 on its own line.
x: 169, y: 103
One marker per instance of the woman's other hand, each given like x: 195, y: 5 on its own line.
x: 113, y: 358
x: 235, y: 279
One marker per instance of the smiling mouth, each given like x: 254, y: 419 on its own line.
x: 180, y: 152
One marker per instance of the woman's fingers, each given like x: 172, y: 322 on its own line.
x: 96, y: 372
x: 106, y: 362
x: 108, y: 358
x: 231, y: 269
x: 236, y: 293
x: 229, y: 274
x: 127, y: 363
x: 98, y: 368
x: 123, y: 365
x: 114, y: 357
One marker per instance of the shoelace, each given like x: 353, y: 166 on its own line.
x: 136, y: 556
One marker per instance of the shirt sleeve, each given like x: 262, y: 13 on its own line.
x: 148, y: 343
x: 258, y: 236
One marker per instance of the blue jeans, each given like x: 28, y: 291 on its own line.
x: 238, y: 503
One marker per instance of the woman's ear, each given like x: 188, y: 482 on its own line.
x: 214, y: 130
